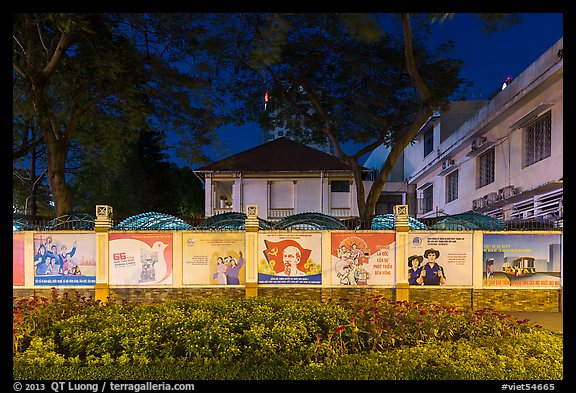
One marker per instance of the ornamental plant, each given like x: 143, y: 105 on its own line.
x: 367, y: 337
x: 36, y: 315
x: 378, y: 324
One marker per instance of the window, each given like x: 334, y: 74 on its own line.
x: 428, y: 141
x: 386, y: 203
x: 427, y: 201
x: 281, y: 195
x: 452, y: 186
x: 486, y: 168
x: 340, y: 186
x: 538, y: 139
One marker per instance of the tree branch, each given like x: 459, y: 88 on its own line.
x: 61, y: 48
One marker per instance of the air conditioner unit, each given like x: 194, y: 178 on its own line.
x: 476, y: 143
x: 447, y: 164
x: 491, y: 198
x: 507, y: 192
x: 478, y: 203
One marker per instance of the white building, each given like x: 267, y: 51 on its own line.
x: 501, y: 157
x: 506, y: 160
x: 283, y: 177
x: 397, y: 191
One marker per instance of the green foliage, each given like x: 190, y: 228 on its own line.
x: 112, y: 76
x: 274, y: 339
x: 144, y: 170
x: 378, y: 324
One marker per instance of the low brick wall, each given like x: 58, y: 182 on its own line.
x: 49, y: 292
x: 456, y: 297
x: 157, y: 295
x: 548, y: 300
x: 518, y: 300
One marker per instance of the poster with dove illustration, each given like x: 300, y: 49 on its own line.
x: 141, y: 259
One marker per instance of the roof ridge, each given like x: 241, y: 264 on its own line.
x: 267, y: 152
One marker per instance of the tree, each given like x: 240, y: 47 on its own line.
x: 28, y: 170
x: 97, y: 79
x: 335, y: 77
x: 144, y: 181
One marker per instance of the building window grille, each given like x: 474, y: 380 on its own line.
x: 486, y: 168
x: 428, y: 141
x: 452, y: 186
x: 427, y: 200
x: 538, y: 140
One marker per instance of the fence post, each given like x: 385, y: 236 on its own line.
x: 402, y: 225
x: 251, y: 226
x: 102, y: 225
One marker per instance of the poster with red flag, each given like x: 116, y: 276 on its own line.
x: 290, y: 258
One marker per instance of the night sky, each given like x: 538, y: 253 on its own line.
x: 489, y: 59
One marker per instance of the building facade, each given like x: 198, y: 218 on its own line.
x: 282, y: 177
x: 505, y: 161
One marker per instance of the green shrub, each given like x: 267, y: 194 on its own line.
x: 377, y: 324
x: 263, y: 338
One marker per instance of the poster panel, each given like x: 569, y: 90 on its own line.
x: 362, y: 258
x: 213, y: 258
x: 532, y: 260
x: 64, y: 259
x: 140, y: 258
x: 440, y: 259
x: 291, y: 258
x: 18, y: 259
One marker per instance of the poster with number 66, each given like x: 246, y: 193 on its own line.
x: 141, y: 259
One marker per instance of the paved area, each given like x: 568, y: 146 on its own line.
x: 549, y: 320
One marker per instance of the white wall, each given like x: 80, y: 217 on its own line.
x: 541, y: 83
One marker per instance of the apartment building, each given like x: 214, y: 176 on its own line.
x: 506, y: 160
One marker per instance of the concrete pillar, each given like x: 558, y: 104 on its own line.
x: 251, y: 227
x: 402, y: 225
x: 102, y: 225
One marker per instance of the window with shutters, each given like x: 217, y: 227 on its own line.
x: 538, y: 139
x: 486, y: 168
x: 452, y: 186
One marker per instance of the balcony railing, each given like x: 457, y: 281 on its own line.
x: 277, y: 214
x: 340, y: 212
x: 216, y: 210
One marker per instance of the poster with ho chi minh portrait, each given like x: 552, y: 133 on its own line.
x: 290, y: 258
x: 446, y: 258
x: 362, y: 258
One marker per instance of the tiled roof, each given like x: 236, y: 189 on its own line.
x: 280, y: 155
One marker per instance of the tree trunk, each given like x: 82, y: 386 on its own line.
x: 57, y: 145
x: 33, y: 210
x: 424, y: 113
x: 37, y: 80
x: 57, y: 177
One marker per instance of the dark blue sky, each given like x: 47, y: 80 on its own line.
x: 488, y: 58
